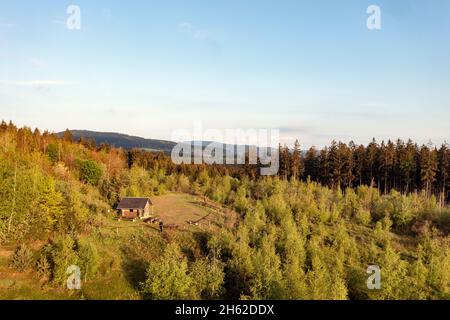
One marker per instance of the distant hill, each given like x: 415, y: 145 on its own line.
x: 125, y: 141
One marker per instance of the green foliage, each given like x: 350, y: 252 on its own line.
x: 183, y: 184
x: 53, y: 152
x: 209, y: 276
x: 434, y: 254
x: 90, y: 172
x: 88, y: 259
x: 49, y: 204
x: 363, y: 216
x: 393, y: 276
x: 266, y: 282
x: 168, y: 278
x: 63, y: 255
x: 255, y: 222
x: 76, y: 213
x: 325, y: 278
x: 241, y: 203
x: 401, y: 212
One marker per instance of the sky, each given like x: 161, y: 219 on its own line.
x: 311, y: 69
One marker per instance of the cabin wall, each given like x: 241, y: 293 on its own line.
x: 147, y: 210
x: 126, y: 213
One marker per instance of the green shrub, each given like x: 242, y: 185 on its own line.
x: 90, y: 172
x: 363, y: 216
x: 63, y: 255
x: 167, y: 278
x: 53, y: 152
x: 209, y: 277
x: 88, y: 259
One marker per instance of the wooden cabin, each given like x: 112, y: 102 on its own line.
x: 132, y: 208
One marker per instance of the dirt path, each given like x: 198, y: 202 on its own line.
x: 5, y: 253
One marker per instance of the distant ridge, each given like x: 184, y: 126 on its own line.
x: 128, y: 142
x: 125, y: 141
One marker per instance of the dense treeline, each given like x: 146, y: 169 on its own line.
x: 400, y: 166
x: 294, y: 240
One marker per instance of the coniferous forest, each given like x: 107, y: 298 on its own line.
x: 401, y: 166
x: 309, y: 233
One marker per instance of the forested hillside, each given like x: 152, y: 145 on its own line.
x: 120, y: 140
x: 309, y: 233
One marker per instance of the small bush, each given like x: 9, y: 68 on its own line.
x: 22, y: 258
x: 43, y: 267
x: 363, y: 216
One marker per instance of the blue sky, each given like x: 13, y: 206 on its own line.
x: 309, y: 68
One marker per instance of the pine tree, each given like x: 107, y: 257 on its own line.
x: 285, y: 166
x: 387, y: 162
x: 311, y: 164
x: 443, y: 171
x: 346, y: 154
x: 336, y: 165
x: 296, y: 162
x: 324, y: 167
x: 372, y: 163
x: 428, y: 167
x: 359, y: 162
x: 407, y: 165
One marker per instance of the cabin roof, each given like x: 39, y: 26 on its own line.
x: 133, y: 203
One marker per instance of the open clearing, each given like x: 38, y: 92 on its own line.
x: 178, y: 209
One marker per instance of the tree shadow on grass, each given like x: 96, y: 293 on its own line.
x: 137, y: 253
x: 134, y: 271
